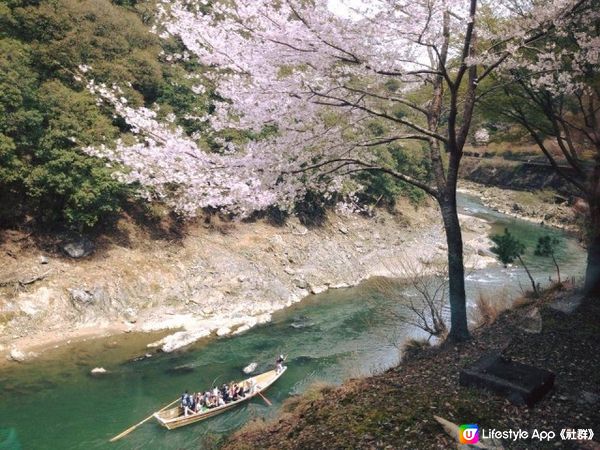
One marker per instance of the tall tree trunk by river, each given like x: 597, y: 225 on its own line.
x: 592, y: 273
x: 459, y: 330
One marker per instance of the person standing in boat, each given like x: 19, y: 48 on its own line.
x: 279, y: 363
x: 186, y: 403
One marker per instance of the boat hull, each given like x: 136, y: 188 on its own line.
x: 173, y: 418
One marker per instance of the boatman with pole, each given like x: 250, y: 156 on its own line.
x: 279, y: 363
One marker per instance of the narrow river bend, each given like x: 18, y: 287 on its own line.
x: 54, y: 403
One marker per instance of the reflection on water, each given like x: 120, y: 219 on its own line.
x: 55, y: 404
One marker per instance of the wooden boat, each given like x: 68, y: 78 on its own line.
x: 174, y: 418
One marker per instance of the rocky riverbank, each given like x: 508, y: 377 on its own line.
x: 545, y: 207
x: 212, y: 281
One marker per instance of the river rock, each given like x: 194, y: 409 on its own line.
x: 180, y: 339
x: 17, y: 355
x: 241, y: 329
x: 339, y: 286
x: 79, y: 248
x: 98, y: 371
x: 81, y: 296
x: 250, y: 368
x: 223, y: 331
x: 99, y: 295
x: 301, y: 322
x: 130, y: 315
x: 299, y: 230
x: 316, y: 289
x: 567, y: 304
x: 300, y: 283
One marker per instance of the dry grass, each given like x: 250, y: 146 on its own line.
x: 489, y: 308
x: 414, y: 347
x: 315, y: 391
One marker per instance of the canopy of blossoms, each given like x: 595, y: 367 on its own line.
x: 319, y: 78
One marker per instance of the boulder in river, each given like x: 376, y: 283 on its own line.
x: 98, y: 371
x: 17, y: 355
x: 301, y: 322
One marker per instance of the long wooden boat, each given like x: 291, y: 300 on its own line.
x: 174, y: 417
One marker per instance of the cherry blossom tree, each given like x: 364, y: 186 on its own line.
x: 554, y: 94
x: 338, y: 88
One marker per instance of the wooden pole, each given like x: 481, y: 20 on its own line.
x: 265, y: 399
x: 130, y: 429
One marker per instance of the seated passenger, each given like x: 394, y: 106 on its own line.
x: 198, y: 401
x: 240, y: 391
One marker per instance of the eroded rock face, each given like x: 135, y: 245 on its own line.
x: 214, y: 283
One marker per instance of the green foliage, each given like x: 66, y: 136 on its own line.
x: 311, y: 210
x: 546, y: 246
x: 384, y: 189
x: 507, y: 248
x: 47, y: 116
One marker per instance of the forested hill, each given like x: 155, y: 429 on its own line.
x: 49, y: 51
x: 47, y: 115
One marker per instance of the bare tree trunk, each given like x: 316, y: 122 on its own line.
x: 557, y: 268
x: 535, y: 290
x: 592, y: 273
x: 459, y: 330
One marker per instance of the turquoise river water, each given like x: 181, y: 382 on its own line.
x: 53, y: 402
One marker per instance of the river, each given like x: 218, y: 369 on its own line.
x: 54, y: 403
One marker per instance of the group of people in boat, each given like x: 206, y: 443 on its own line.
x: 200, y: 402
